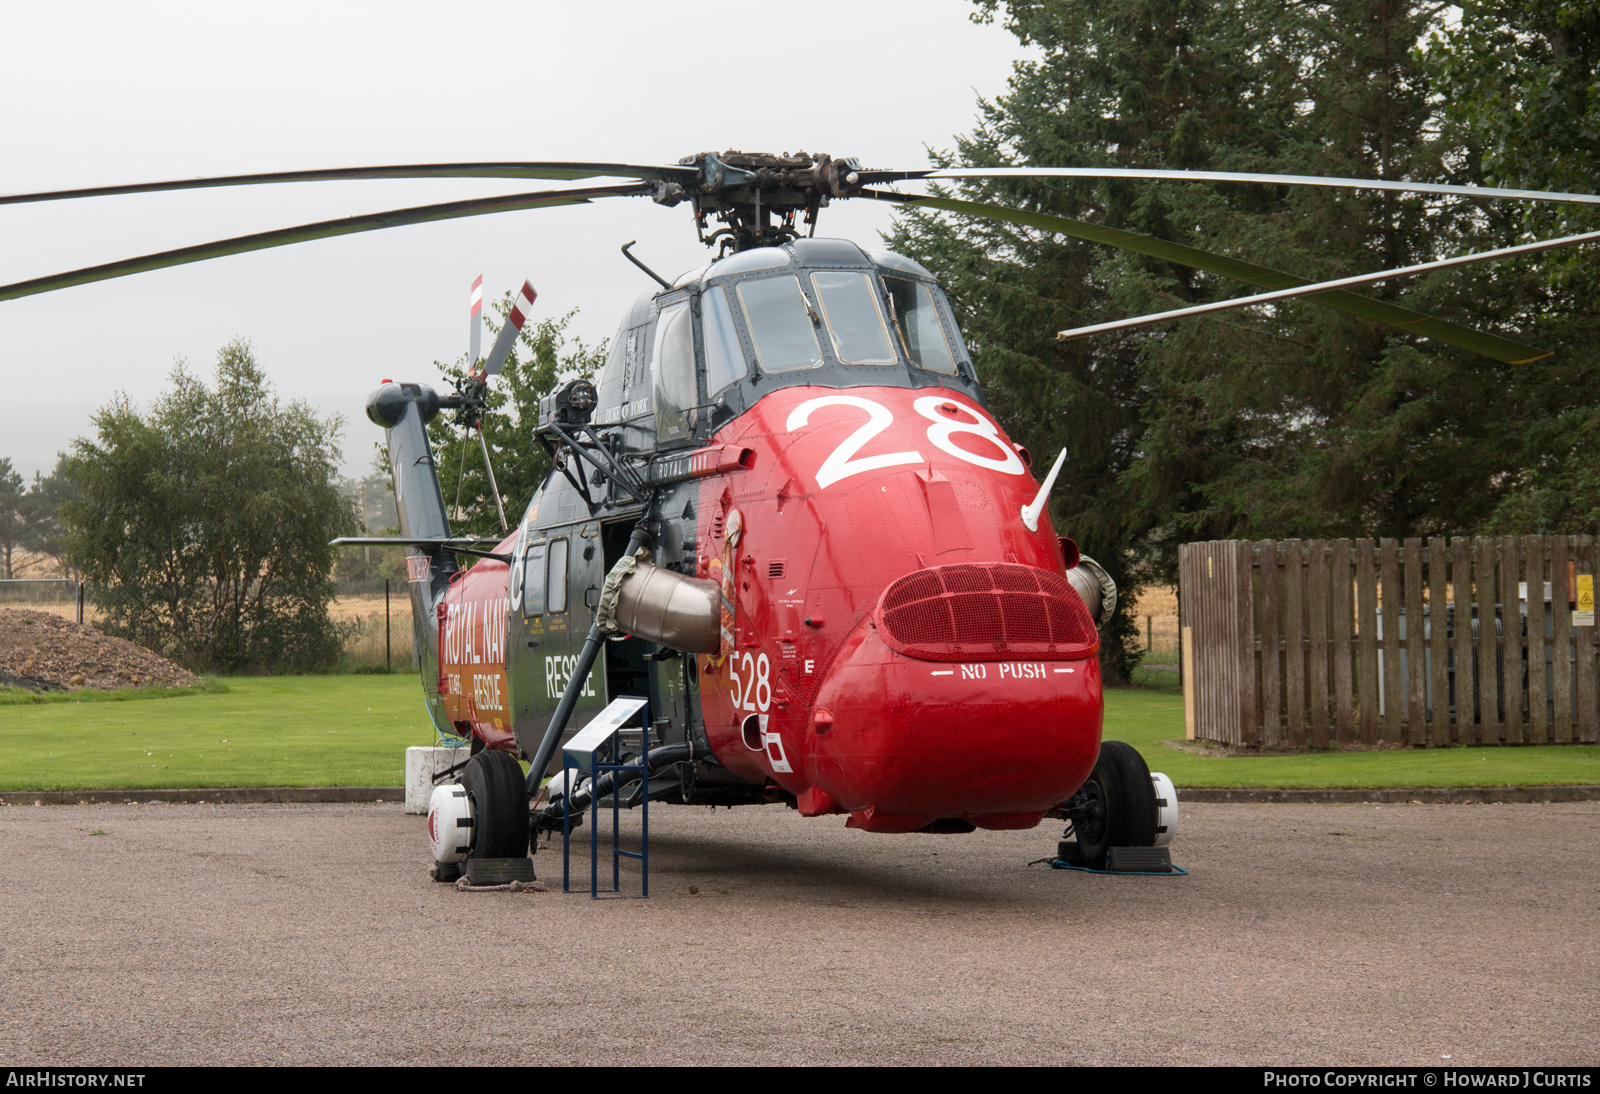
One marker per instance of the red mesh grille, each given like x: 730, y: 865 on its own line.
x: 986, y: 613
x: 918, y: 586
x: 1018, y: 579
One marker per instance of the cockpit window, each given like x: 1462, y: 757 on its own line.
x: 854, y: 319
x: 674, y: 364
x: 780, y: 320
x: 725, y: 361
x: 917, y: 319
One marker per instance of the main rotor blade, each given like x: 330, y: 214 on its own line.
x: 1481, y: 342
x: 871, y: 177
x: 421, y: 214
x: 557, y: 171
x: 1324, y: 286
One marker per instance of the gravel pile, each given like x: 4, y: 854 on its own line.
x: 44, y: 652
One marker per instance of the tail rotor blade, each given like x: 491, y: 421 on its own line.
x: 521, y: 308
x: 475, y: 323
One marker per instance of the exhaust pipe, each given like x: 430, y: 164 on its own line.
x: 681, y: 613
x: 1095, y: 586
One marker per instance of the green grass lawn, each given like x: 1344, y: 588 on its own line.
x: 1146, y: 716
x: 353, y: 731
x: 261, y: 731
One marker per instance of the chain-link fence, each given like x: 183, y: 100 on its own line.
x: 376, y: 618
x: 373, y: 617
x: 57, y: 595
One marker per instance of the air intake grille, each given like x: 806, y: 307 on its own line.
x: 986, y: 613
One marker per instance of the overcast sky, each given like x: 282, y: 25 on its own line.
x: 104, y: 93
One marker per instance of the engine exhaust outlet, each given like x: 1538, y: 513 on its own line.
x: 1098, y: 590
x: 681, y: 613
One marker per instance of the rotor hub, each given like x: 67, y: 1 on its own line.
x: 758, y: 197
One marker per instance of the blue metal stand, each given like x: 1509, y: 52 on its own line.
x: 583, y: 753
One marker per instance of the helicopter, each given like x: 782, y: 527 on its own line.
x: 783, y: 513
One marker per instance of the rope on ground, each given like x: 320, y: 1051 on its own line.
x: 465, y: 886
x: 1062, y: 864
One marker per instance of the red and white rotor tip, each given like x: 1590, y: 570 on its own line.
x: 521, y: 308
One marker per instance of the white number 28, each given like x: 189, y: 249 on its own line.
x: 842, y: 461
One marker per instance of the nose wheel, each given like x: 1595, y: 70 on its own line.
x: 1116, y: 814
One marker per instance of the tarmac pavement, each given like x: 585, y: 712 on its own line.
x: 1422, y: 935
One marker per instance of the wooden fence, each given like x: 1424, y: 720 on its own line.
x: 1417, y: 642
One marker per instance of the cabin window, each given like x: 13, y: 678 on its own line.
x: 782, y: 324
x: 725, y: 361
x: 674, y: 364
x: 557, y: 599
x: 855, y: 321
x: 916, y: 318
x: 532, y: 587
x: 514, y: 585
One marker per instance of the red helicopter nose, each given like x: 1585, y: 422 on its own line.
x: 901, y: 742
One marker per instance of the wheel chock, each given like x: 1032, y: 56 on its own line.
x: 1139, y: 860
x: 498, y: 871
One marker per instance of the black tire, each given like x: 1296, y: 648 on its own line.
x: 1123, y: 804
x: 500, y: 802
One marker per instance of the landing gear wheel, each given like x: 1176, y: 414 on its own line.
x: 500, y: 800
x: 1119, y: 804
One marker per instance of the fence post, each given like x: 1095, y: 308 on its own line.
x: 80, y: 602
x: 388, y: 640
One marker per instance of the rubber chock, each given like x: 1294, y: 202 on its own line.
x: 498, y: 871
x: 1139, y: 860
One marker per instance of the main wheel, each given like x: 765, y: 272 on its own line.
x: 500, y: 802
x: 1120, y: 804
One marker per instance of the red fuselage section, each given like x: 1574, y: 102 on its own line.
x: 858, y: 705
x: 897, y: 645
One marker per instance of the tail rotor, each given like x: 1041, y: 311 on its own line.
x: 471, y: 400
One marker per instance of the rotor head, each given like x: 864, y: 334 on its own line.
x: 757, y: 196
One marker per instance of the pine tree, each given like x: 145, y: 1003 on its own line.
x: 1271, y: 422
x: 1519, y: 83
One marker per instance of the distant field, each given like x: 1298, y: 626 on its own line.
x: 1155, y: 613
x: 364, y: 645
x: 353, y: 731
x: 368, y: 628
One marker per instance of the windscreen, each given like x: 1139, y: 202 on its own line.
x: 917, y: 317
x: 780, y: 324
x: 850, y: 307
x: 724, y: 356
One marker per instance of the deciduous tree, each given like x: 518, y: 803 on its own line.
x: 203, y: 524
